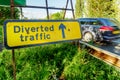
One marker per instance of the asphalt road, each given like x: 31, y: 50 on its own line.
x: 115, y: 46
x: 112, y: 47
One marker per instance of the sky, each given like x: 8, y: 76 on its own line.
x: 33, y: 13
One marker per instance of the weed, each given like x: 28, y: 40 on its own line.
x: 52, y: 61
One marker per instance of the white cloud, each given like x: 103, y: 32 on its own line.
x: 32, y: 14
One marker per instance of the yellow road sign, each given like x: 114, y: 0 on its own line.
x: 23, y: 33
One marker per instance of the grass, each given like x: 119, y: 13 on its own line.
x: 1, y: 36
x: 55, y: 61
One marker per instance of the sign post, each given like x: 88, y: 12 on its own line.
x: 13, y: 52
x: 24, y: 33
x: 14, y: 64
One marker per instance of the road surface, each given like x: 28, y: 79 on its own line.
x: 112, y: 47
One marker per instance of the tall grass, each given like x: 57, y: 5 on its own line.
x: 53, y: 62
x: 85, y: 67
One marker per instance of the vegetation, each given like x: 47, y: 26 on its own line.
x: 97, y: 8
x: 79, y: 8
x: 56, y: 16
x: 5, y: 13
x: 101, y: 8
x: 55, y: 61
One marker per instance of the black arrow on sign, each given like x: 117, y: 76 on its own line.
x: 62, y: 27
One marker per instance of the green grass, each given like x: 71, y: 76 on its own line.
x: 55, y: 61
x: 1, y: 36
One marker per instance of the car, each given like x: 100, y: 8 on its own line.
x: 99, y: 29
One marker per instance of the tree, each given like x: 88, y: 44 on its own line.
x: 78, y: 8
x: 96, y: 8
x: 56, y: 16
x: 117, y: 9
x: 5, y: 13
x: 101, y: 8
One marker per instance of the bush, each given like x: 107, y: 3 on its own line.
x: 5, y: 13
x: 55, y: 61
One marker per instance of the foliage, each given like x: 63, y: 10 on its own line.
x: 51, y: 61
x: 57, y: 16
x: 97, y: 8
x: 101, y: 8
x: 117, y: 9
x: 85, y: 67
x: 5, y: 13
x: 79, y: 8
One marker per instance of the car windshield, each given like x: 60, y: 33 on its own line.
x: 113, y: 23
x: 90, y: 22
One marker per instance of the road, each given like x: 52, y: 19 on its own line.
x: 111, y: 47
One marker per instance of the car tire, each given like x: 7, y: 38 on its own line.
x: 88, y: 37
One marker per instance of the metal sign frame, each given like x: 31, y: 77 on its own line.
x: 47, y: 10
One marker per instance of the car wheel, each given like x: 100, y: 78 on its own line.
x: 87, y: 37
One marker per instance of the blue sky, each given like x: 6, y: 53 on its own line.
x: 41, y: 13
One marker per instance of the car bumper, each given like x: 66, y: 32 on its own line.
x: 111, y: 37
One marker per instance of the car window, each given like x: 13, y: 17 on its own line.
x: 113, y: 23
x: 83, y: 22
x: 91, y: 22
